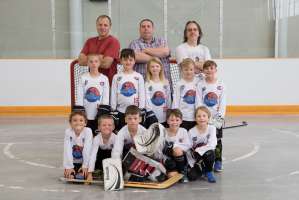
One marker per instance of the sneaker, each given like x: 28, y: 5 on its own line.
x: 218, y: 166
x: 211, y: 178
x: 184, y: 179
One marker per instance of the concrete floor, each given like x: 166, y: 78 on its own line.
x: 261, y: 162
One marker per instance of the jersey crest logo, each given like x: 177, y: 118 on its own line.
x: 150, y: 88
x: 92, y: 94
x: 203, y: 89
x: 158, y: 98
x: 128, y: 89
x: 194, y: 139
x: 210, y: 99
x: 136, y: 78
x: 102, y: 83
x: 219, y: 87
x: 181, y: 140
x: 189, y: 97
x: 118, y: 78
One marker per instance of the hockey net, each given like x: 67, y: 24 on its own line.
x: 76, y: 72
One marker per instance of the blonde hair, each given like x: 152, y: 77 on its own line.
x: 186, y: 63
x: 148, y: 75
x: 204, y: 109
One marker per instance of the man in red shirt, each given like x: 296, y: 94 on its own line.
x: 105, y: 45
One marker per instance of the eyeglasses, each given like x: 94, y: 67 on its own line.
x: 192, y: 29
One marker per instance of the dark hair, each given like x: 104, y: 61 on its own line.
x: 132, y: 110
x: 199, y: 31
x: 204, y: 109
x: 176, y: 112
x: 146, y: 20
x: 126, y: 53
x: 104, y: 16
x: 105, y: 117
x: 74, y: 113
x: 209, y: 63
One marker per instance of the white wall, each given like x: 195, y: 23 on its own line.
x: 249, y: 82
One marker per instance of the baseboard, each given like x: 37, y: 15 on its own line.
x: 263, y: 110
x: 231, y: 110
x: 35, y: 110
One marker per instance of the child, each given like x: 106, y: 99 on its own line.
x: 102, y: 144
x: 77, y: 146
x: 212, y: 94
x: 124, y: 140
x: 127, y: 87
x: 203, y: 137
x: 158, y: 95
x: 93, y: 90
x: 177, y: 143
x: 184, y: 97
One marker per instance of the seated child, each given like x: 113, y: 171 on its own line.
x: 102, y: 145
x: 93, y: 90
x: 124, y: 139
x: 77, y: 147
x: 203, y: 138
x: 177, y: 143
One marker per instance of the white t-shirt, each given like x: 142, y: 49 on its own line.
x: 213, y: 96
x: 83, y: 143
x: 199, y: 52
x: 158, y: 98
x: 202, y: 142
x: 98, y: 143
x: 124, y: 138
x: 127, y: 89
x: 185, y: 98
x: 92, y: 92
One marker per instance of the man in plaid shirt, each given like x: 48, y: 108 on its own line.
x: 148, y: 46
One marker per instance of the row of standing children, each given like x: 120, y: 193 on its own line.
x: 128, y: 89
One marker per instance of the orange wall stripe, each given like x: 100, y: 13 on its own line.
x: 231, y: 110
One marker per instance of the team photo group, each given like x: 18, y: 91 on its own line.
x: 139, y: 109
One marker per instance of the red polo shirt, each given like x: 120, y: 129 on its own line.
x: 108, y: 46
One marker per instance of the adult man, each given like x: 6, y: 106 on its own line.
x: 148, y: 46
x: 105, y: 45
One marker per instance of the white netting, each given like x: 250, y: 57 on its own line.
x: 79, y: 70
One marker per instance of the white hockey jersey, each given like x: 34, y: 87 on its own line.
x: 213, y: 96
x: 124, y: 138
x: 77, y: 149
x: 92, y: 92
x: 98, y: 143
x: 127, y: 89
x: 202, y: 142
x: 158, y: 98
x: 180, y: 140
x: 185, y: 98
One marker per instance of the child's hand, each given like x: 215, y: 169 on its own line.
x: 69, y: 173
x: 89, y: 177
x: 85, y: 172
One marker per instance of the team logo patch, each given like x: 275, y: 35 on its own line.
x: 92, y: 94
x: 128, y: 89
x: 203, y: 89
x: 189, y: 97
x: 102, y: 83
x: 181, y: 140
x: 210, y: 99
x: 118, y: 78
x: 219, y: 87
x: 136, y: 78
x: 194, y: 139
x: 150, y: 88
x: 77, y: 152
x: 158, y: 98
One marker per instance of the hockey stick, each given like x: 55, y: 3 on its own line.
x: 243, y: 123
